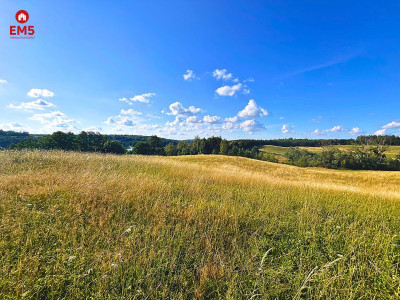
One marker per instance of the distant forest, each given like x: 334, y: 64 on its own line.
x: 369, y: 155
x: 8, y: 138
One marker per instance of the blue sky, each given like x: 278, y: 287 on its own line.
x: 236, y: 69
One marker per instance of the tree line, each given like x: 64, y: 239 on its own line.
x: 96, y: 142
x: 368, y: 152
x: 83, y: 142
x: 364, y: 157
x: 211, y: 145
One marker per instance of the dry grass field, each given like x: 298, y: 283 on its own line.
x: 91, y: 226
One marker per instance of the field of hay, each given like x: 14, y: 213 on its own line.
x: 80, y: 226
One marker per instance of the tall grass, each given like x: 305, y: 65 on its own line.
x: 209, y: 227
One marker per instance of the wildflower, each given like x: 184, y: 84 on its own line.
x: 113, y: 265
x: 166, y: 205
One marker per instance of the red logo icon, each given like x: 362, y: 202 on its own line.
x: 22, y: 16
x: 22, y: 31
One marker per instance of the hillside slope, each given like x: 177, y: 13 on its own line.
x: 87, y: 225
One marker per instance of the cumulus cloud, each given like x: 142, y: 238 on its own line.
x: 38, y: 104
x: 119, y: 121
x: 189, y: 76
x: 12, y: 126
x: 228, y: 90
x: 130, y: 112
x: 222, y: 74
x: 55, y: 120
x: 3, y: 81
x: 355, y: 130
x: 144, y: 98
x: 287, y: 129
x: 392, y: 125
x: 252, y: 110
x: 192, y: 119
x: 336, y: 129
x: 35, y: 93
x: 230, y: 123
x: 177, y: 109
x: 317, y: 131
x: 251, y: 126
x: 380, y: 131
x: 44, y: 118
x: 211, y: 119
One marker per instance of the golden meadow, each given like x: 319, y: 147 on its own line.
x: 81, y: 226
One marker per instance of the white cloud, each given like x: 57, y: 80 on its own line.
x: 124, y: 99
x: 189, y: 76
x: 35, y: 93
x: 130, y: 112
x: 230, y: 123
x: 12, y: 126
x: 228, y: 90
x: 231, y: 119
x: 55, y: 120
x: 246, y: 91
x: 287, y: 129
x: 222, y: 74
x: 392, y: 125
x: 119, y: 121
x: 38, y: 104
x: 380, y: 131
x: 148, y: 127
x: 317, y: 132
x: 336, y: 129
x: 44, y: 118
x: 251, y: 126
x: 211, y: 119
x: 3, y: 81
x: 252, y: 110
x: 177, y: 109
x: 355, y: 130
x: 144, y: 98
x: 192, y: 119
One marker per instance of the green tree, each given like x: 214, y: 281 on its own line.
x: 224, y: 147
x: 114, y: 147
x: 170, y: 150
x: 142, y: 148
